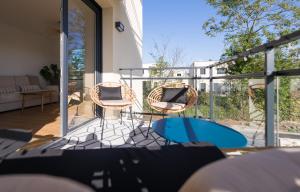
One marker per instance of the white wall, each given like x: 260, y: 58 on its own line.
x: 128, y: 44
x: 25, y: 53
x: 122, y: 49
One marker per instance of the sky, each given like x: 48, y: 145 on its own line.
x: 179, y: 22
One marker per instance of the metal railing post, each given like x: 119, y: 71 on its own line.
x: 130, y: 81
x: 269, y: 98
x: 211, y: 96
x: 130, y: 84
x: 195, y: 75
x: 277, y: 111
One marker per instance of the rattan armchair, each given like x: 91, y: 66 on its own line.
x: 154, y: 100
x: 128, y: 99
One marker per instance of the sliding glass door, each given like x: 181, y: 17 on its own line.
x: 81, y: 61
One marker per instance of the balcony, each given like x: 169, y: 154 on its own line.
x: 262, y: 105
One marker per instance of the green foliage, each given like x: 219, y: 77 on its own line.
x: 51, y: 74
x: 164, y: 58
x: 146, y: 91
x: 286, y: 100
x: 247, y: 24
x: 160, y: 65
x: 259, y: 99
x: 225, y: 106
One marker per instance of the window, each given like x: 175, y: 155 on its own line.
x: 221, y: 70
x: 203, y: 87
x: 221, y: 88
x: 217, y: 88
x: 202, y: 71
x: 178, y: 75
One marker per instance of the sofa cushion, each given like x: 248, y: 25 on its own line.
x: 35, y: 182
x: 7, y: 81
x: 7, y: 90
x: 10, y: 97
x: 21, y: 81
x: 169, y: 106
x: 28, y: 88
x: 115, y: 102
x: 272, y: 170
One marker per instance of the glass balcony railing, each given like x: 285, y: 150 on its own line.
x: 260, y: 100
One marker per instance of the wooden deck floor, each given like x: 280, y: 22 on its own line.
x: 41, y: 123
x: 44, y: 125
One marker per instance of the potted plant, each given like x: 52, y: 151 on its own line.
x: 51, y: 74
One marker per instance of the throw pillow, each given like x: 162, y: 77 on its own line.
x: 110, y: 93
x: 174, y: 95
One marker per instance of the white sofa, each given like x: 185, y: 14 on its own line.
x: 10, y: 88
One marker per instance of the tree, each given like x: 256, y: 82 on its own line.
x: 247, y: 24
x: 165, y: 57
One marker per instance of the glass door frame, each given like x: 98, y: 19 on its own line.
x: 64, y: 58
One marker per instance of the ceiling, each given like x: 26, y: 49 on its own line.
x: 38, y: 16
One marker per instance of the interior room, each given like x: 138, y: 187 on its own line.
x: 29, y: 60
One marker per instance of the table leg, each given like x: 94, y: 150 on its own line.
x: 42, y: 102
x: 23, y: 101
x: 50, y: 97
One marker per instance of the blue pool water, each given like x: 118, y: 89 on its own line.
x: 184, y: 130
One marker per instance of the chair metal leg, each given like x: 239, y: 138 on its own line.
x: 132, y: 120
x: 167, y: 142
x: 121, y: 114
x: 149, y: 124
x: 103, y: 119
x: 100, y: 123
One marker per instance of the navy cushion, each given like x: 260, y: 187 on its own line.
x: 110, y: 93
x: 174, y: 95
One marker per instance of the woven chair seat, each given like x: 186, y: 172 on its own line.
x: 122, y: 102
x: 128, y: 96
x: 154, y: 99
x: 128, y: 99
x: 169, y: 106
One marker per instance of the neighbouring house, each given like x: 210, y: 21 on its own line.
x: 219, y: 85
x: 89, y: 39
x: 176, y: 73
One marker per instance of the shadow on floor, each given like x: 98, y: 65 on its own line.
x: 115, y: 135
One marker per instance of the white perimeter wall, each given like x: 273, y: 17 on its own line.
x: 25, y: 53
